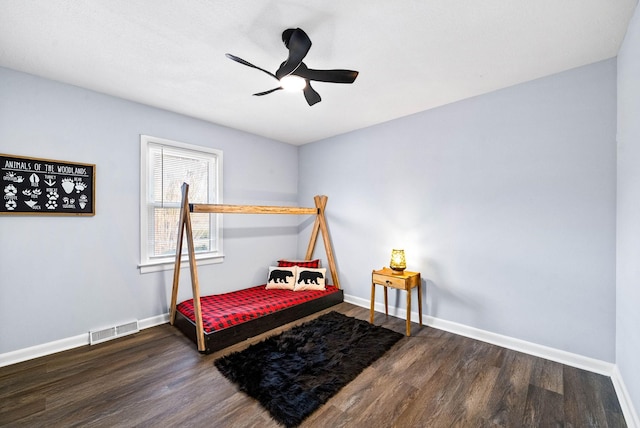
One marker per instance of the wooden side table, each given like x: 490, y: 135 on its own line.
x: 404, y: 281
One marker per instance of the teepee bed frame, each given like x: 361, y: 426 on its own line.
x: 284, y: 306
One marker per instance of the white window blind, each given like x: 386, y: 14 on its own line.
x: 167, y: 165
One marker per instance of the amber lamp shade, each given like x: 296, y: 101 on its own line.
x: 398, y: 263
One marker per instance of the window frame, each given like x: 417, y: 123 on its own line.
x: 149, y: 263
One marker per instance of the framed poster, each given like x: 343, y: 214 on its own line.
x: 32, y: 186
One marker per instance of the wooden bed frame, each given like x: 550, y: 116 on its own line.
x: 219, y: 339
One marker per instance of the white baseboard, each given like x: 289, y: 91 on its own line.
x: 32, y: 352
x: 560, y: 356
x: 630, y: 414
x: 65, y: 344
x: 153, y: 321
x: 564, y: 357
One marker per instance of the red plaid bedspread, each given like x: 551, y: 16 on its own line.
x: 220, y: 311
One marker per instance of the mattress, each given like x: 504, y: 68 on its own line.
x: 222, y: 311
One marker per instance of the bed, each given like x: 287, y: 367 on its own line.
x: 217, y: 321
x: 256, y: 310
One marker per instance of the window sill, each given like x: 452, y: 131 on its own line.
x: 184, y: 263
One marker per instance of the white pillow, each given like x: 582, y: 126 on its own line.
x: 281, y: 278
x: 310, y: 279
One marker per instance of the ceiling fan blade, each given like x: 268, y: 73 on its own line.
x: 333, y: 76
x: 311, y: 95
x: 248, y: 64
x: 259, y: 94
x: 298, y: 44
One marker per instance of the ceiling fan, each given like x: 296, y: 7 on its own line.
x: 293, y: 73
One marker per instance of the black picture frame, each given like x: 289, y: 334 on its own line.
x: 35, y: 186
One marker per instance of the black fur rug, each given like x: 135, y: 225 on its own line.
x: 295, y: 372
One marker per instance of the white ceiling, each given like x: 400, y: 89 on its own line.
x: 412, y: 55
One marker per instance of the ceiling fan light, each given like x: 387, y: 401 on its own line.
x: 293, y: 83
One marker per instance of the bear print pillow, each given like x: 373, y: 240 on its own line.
x: 281, y: 278
x: 310, y: 279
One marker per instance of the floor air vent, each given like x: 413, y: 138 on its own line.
x: 97, y: 336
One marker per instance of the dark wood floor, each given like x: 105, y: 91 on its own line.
x: 156, y: 378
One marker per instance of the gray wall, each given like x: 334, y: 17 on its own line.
x: 62, y: 276
x: 628, y: 250
x: 505, y: 203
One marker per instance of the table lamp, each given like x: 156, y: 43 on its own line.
x: 398, y: 263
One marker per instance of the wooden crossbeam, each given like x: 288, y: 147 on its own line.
x: 249, y: 209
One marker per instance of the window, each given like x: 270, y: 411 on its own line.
x: 164, y: 166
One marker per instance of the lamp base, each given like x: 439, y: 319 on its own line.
x: 397, y: 271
